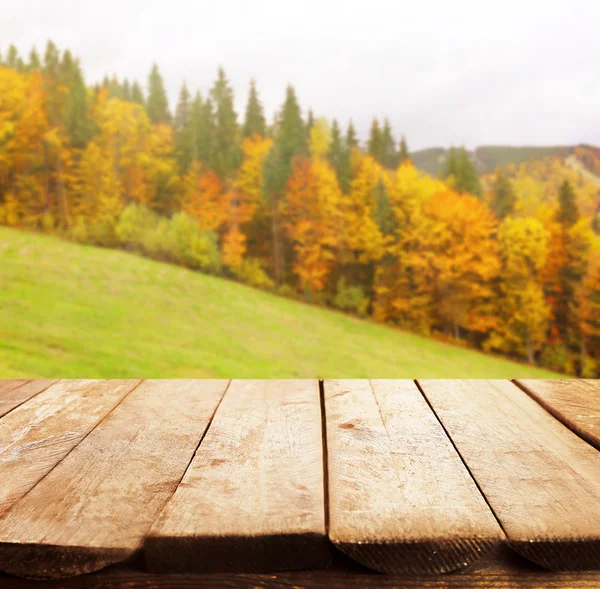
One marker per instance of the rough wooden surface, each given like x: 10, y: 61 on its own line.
x: 574, y: 402
x: 400, y: 498
x: 95, y: 507
x: 15, y: 392
x: 35, y: 436
x: 253, y: 497
x: 336, y: 578
x: 541, y: 480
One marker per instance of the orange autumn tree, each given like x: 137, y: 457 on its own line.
x: 446, y: 261
x: 312, y: 197
x: 203, y: 198
x: 465, y: 263
x: 244, y: 198
x: 312, y: 212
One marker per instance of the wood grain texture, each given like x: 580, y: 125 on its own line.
x: 94, y: 508
x: 9, y: 384
x: 35, y: 436
x: 332, y: 579
x: 12, y: 396
x: 541, y: 480
x: 253, y: 497
x: 574, y: 402
x: 400, y: 498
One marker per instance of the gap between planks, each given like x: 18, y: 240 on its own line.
x: 400, y: 498
x: 541, y: 480
x: 95, y: 506
x: 575, y: 403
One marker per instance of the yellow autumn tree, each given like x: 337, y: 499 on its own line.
x: 589, y: 318
x: 522, y: 308
x: 404, y: 277
x: 311, y: 211
x: 28, y: 199
x: 361, y: 239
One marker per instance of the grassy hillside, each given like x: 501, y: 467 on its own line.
x: 487, y: 157
x: 74, y: 311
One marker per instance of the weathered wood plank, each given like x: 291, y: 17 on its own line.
x: 95, y: 507
x: 400, y: 498
x: 541, y: 480
x: 12, y: 396
x: 253, y: 497
x: 317, y: 579
x: 35, y: 436
x: 574, y: 402
x: 9, y: 384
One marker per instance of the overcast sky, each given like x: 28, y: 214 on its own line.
x: 523, y: 72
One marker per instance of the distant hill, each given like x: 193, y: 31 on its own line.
x: 488, y: 157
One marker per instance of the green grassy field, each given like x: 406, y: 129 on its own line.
x: 73, y: 311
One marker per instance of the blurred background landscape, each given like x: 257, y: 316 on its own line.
x: 159, y: 222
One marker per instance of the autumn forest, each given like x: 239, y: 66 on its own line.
x: 506, y: 262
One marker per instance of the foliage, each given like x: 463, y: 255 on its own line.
x: 350, y: 298
x: 503, y: 263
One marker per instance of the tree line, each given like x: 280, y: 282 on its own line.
x: 508, y: 263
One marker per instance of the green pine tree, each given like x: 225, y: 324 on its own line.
x: 51, y: 59
x: 504, y: 198
x: 224, y: 150
x: 115, y: 87
x: 289, y: 141
x: 462, y: 171
x: 336, y: 150
x: 203, y: 128
x: 126, y: 90
x: 310, y: 121
x: 184, y: 131
x: 388, y: 146
x: 157, y: 105
x: 12, y: 57
x: 74, y: 107
x: 571, y: 272
x: 375, y: 144
x: 34, y: 60
x: 568, y: 213
x: 137, y: 94
x: 384, y: 212
x: 403, y: 154
x: 254, y: 121
x: 351, y: 140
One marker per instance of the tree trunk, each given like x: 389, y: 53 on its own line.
x: 582, y: 356
x: 530, y: 354
x: 62, y: 193
x: 276, y: 244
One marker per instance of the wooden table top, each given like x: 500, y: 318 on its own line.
x: 177, y: 484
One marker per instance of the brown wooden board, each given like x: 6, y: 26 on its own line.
x: 35, y: 436
x: 400, y: 498
x: 574, y: 402
x: 541, y: 480
x: 253, y: 497
x: 12, y: 396
x: 333, y: 578
x: 95, y: 507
